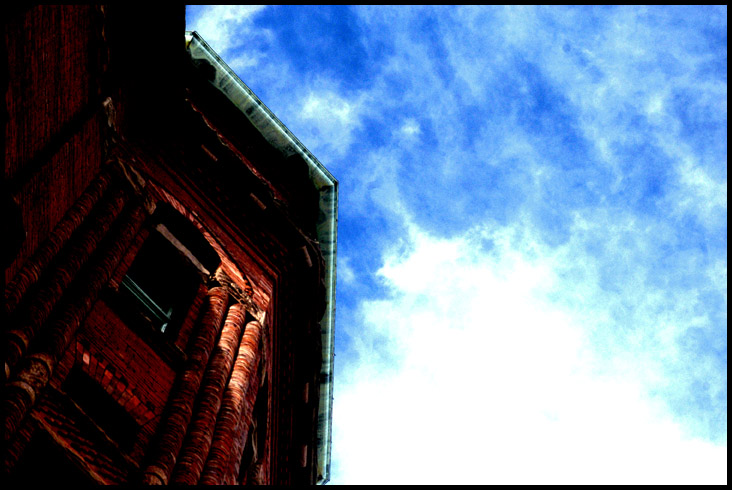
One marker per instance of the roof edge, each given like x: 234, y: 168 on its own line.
x: 277, y: 134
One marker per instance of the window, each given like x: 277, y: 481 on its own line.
x: 162, y: 281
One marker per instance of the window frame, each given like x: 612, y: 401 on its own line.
x: 158, y: 327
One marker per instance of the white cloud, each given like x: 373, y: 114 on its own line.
x: 470, y: 373
x: 328, y: 105
x: 410, y: 130
x: 224, y: 26
x: 329, y: 120
x: 377, y: 186
x: 700, y: 194
x: 228, y: 29
x: 346, y: 274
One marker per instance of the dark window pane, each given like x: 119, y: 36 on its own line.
x: 162, y: 282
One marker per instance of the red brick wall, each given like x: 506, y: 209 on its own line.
x: 53, y: 141
x: 127, y: 367
x: 112, y: 342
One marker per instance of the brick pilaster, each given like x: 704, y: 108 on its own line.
x: 241, y: 433
x: 73, y: 256
x: 35, y: 369
x: 173, y: 429
x: 32, y: 269
x: 233, y: 406
x: 201, y: 431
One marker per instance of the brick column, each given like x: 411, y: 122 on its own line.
x: 35, y: 369
x: 233, y: 407
x: 70, y: 261
x: 180, y: 403
x: 14, y: 449
x: 200, y: 433
x: 34, y: 266
x: 190, y: 321
x: 241, y: 433
x: 129, y: 257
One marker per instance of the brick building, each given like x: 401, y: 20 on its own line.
x: 169, y: 262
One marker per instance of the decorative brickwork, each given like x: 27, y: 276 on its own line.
x: 186, y: 329
x: 166, y: 280
x: 86, y: 444
x: 32, y: 269
x: 216, y: 470
x: 15, y: 449
x: 201, y: 430
x: 117, y: 387
x: 56, y: 281
x: 181, y: 402
x: 241, y: 432
x: 116, y: 345
x: 35, y: 372
x: 129, y: 257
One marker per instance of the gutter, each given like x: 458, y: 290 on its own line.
x: 285, y: 142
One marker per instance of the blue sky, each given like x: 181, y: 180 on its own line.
x: 532, y: 237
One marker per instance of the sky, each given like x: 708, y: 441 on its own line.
x: 532, y: 232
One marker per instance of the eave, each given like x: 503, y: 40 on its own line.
x: 282, y: 140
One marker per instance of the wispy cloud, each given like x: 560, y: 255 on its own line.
x: 225, y: 25
x: 331, y: 120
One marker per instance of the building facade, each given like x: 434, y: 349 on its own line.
x: 169, y: 262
